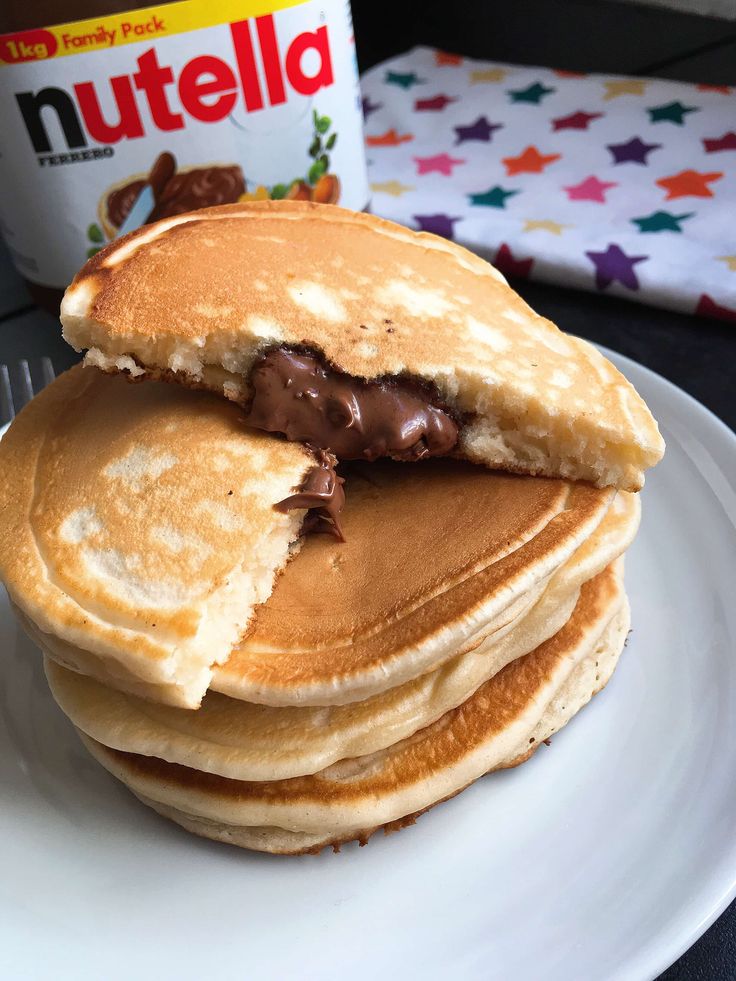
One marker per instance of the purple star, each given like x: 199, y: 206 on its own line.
x: 437, y: 224
x: 369, y: 107
x: 481, y: 129
x: 614, y: 265
x: 635, y: 151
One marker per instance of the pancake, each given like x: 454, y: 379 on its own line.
x: 201, y: 297
x: 244, y: 741
x: 438, y: 556
x: 137, y: 524
x: 499, y: 725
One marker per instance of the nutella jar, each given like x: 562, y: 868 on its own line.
x: 126, y: 117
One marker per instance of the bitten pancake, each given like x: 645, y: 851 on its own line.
x: 497, y: 726
x: 200, y: 297
x: 244, y: 741
x: 137, y: 524
x: 438, y: 556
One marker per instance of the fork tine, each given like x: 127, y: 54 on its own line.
x: 24, y: 391
x: 47, y: 371
x: 7, y: 409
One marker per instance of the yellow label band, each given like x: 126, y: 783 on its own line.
x: 149, y: 23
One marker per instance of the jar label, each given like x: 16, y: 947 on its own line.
x: 253, y: 99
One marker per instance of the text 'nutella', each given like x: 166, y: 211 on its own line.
x: 298, y: 396
x: 249, y: 99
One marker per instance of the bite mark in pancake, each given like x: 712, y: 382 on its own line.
x: 298, y: 395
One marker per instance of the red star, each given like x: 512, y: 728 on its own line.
x: 509, y: 266
x: 688, y: 184
x: 531, y: 161
x: 445, y: 58
x: 577, y: 120
x: 389, y: 138
x: 436, y: 102
x: 708, y: 307
x: 564, y: 73
x: 723, y: 89
x: 726, y: 142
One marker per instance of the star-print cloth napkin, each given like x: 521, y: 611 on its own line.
x: 623, y: 185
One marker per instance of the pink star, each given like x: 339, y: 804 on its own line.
x: 441, y: 163
x: 591, y: 189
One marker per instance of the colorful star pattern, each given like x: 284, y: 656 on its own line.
x: 635, y: 151
x: 661, y: 221
x: 510, y: 266
x: 440, y: 163
x: 389, y: 138
x: 531, y: 161
x: 403, y: 80
x: 689, y: 184
x: 394, y: 188
x: 437, y: 224
x: 673, y: 112
x: 725, y: 142
x: 435, y: 104
x: 576, y: 120
x: 627, y: 186
x: 614, y: 266
x: 544, y: 225
x: 480, y: 130
x: 591, y: 189
x: 488, y: 75
x: 624, y: 86
x: 494, y: 197
x: 533, y: 93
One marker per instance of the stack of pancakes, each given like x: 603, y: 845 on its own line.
x: 282, y: 691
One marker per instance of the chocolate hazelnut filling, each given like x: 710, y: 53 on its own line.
x: 323, y: 495
x: 298, y: 395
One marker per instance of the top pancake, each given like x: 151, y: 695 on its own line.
x: 202, y: 295
x: 137, y: 523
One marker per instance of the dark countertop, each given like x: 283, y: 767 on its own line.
x: 694, y: 353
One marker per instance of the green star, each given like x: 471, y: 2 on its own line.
x: 673, y: 112
x: 405, y: 81
x: 661, y: 221
x: 495, y: 197
x: 534, y: 93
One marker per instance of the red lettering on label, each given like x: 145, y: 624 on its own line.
x: 27, y: 46
x: 270, y: 56
x: 129, y: 124
x: 246, y: 61
x: 152, y: 79
x: 193, y: 90
x: 309, y: 84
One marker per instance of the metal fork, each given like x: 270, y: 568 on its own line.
x: 17, y: 385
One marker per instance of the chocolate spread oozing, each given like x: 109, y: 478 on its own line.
x: 184, y: 191
x: 322, y: 494
x: 299, y: 396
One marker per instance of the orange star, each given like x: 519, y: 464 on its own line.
x: 531, y: 161
x: 389, y: 138
x: 445, y: 58
x: 689, y: 184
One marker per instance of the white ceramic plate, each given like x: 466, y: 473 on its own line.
x: 604, y: 857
